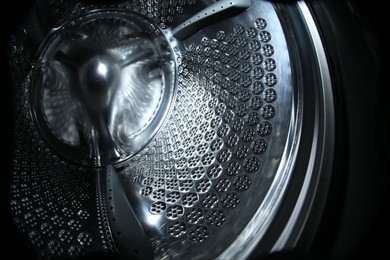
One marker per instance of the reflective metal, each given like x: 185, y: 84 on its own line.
x: 212, y: 13
x: 103, y: 86
x: 213, y: 165
x: 134, y: 141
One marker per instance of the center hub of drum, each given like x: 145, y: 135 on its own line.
x: 103, y: 86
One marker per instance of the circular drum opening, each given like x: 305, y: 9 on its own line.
x: 102, y: 85
x: 220, y: 142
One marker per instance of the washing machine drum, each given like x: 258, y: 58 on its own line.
x: 168, y: 129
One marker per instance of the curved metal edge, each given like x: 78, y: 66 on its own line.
x: 152, y: 128
x: 323, y: 143
x: 319, y: 163
x: 128, y: 235
x: 262, y: 219
x: 218, y: 10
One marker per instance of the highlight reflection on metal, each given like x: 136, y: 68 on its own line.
x: 218, y: 156
x: 103, y: 86
x: 203, y: 133
x: 217, y: 11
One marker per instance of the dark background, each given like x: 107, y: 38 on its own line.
x: 370, y: 15
x: 12, y: 244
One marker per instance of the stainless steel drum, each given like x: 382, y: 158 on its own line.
x: 159, y: 129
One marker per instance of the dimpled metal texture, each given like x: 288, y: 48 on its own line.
x: 102, y: 85
x: 57, y: 205
x: 200, y: 180
x: 194, y: 171
x: 198, y: 172
x: 162, y: 12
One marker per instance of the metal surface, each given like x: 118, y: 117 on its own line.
x: 103, y: 85
x: 218, y: 156
x: 213, y: 13
x: 327, y: 125
x: 126, y: 133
